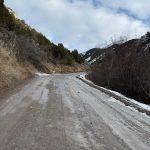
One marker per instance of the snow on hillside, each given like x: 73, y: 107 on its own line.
x: 88, y: 59
x: 42, y: 74
x: 93, y: 61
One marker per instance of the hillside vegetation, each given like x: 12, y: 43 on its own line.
x: 24, y: 51
x: 124, y: 68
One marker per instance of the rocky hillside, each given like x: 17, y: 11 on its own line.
x: 24, y: 51
x: 123, y: 68
x: 93, y: 55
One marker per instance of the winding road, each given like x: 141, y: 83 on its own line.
x: 60, y: 112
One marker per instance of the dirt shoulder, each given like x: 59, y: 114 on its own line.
x: 14, y: 88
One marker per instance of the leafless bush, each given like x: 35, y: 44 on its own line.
x: 127, y: 73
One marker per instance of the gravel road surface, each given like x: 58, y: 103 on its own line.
x: 60, y: 112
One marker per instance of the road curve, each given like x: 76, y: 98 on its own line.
x: 60, y: 112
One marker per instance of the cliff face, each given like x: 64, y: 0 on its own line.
x: 24, y: 51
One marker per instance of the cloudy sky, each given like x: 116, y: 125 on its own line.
x: 84, y: 24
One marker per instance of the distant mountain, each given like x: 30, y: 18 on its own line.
x: 123, y: 67
x: 94, y: 55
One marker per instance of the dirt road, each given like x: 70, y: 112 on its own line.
x: 60, y: 112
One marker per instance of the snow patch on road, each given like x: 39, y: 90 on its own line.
x: 42, y: 74
x: 111, y: 99
x: 83, y: 76
x: 147, y: 107
x: 143, y: 106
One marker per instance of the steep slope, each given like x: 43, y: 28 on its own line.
x: 124, y: 68
x: 24, y: 51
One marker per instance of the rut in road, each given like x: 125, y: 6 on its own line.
x: 60, y: 112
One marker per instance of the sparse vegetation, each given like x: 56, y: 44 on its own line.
x: 19, y: 27
x: 125, y: 68
x: 78, y: 58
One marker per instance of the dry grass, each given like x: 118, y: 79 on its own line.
x: 65, y: 69
x: 10, y: 71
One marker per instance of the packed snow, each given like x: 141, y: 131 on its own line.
x: 144, y: 106
x: 42, y: 74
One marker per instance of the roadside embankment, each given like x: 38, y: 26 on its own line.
x: 127, y: 101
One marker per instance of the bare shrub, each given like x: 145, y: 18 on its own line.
x: 126, y: 71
